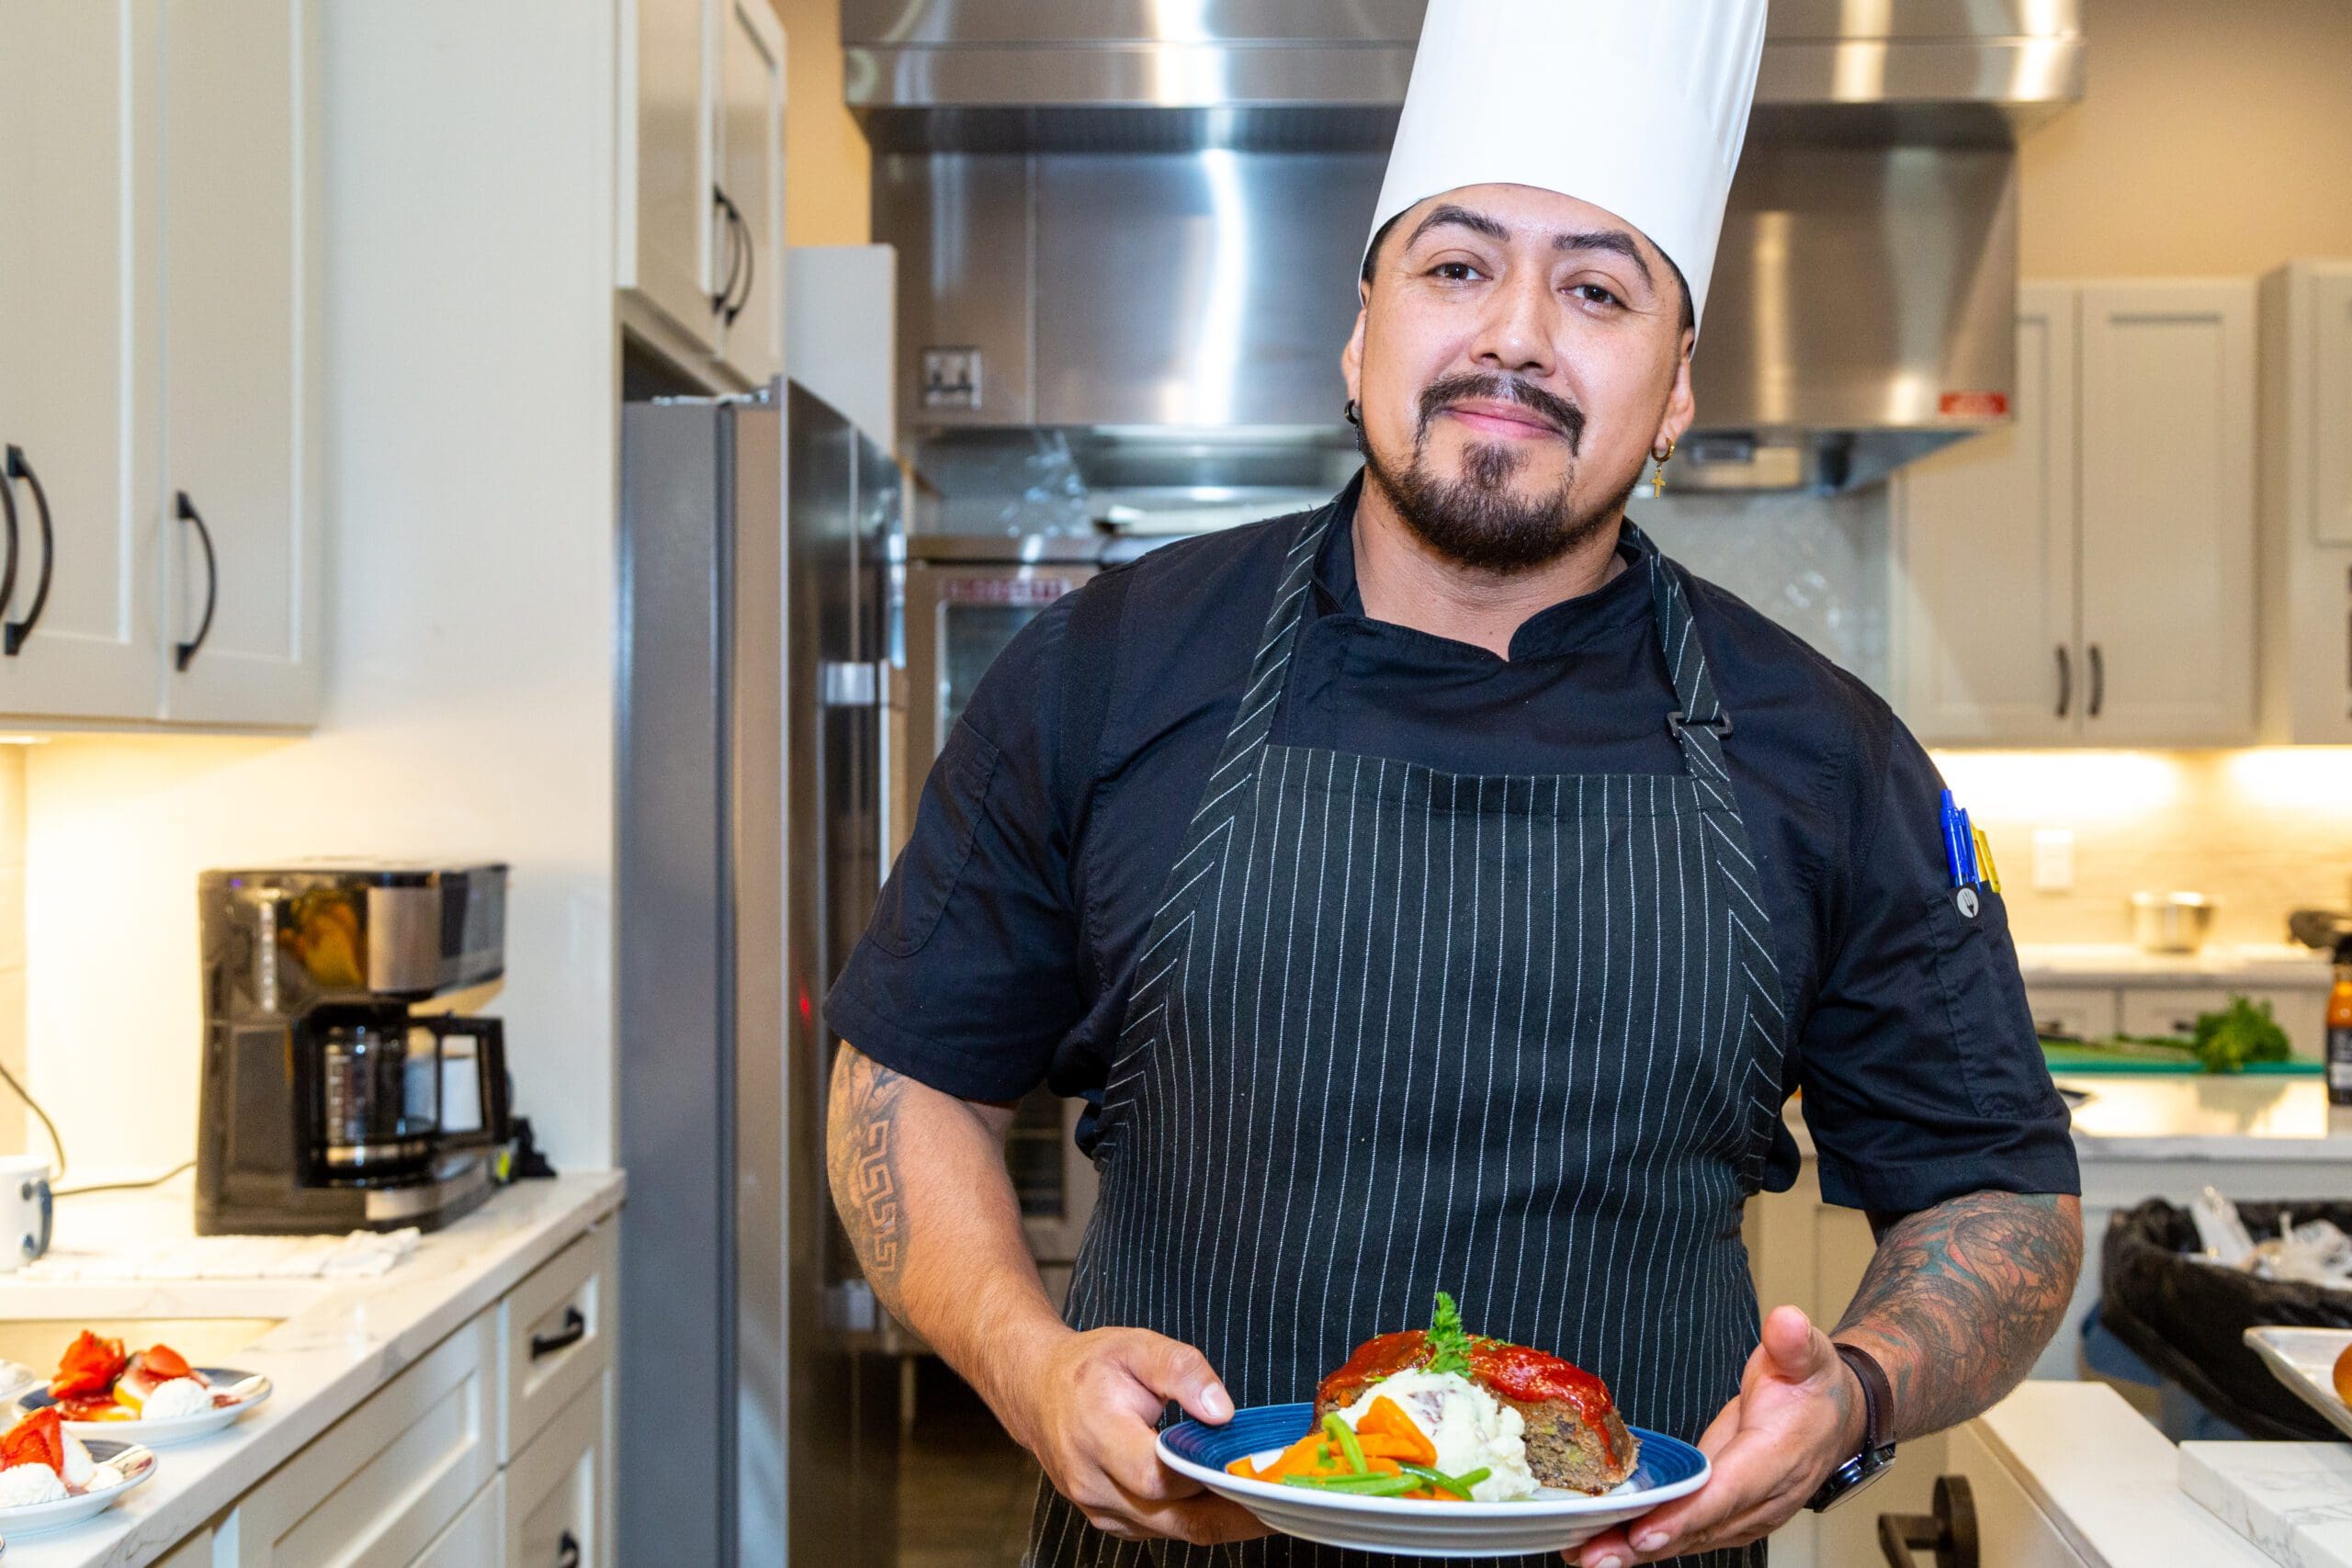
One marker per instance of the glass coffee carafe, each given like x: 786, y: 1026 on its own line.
x: 393, y: 1088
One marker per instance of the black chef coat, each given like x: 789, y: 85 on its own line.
x: 1003, y: 949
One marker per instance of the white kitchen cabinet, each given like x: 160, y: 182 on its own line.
x: 196, y: 1552
x: 2085, y: 1011
x: 2011, y: 1529
x: 2166, y: 505
x: 748, y: 131
x: 701, y: 170
x: 159, y: 167
x: 79, y: 402
x: 1986, y: 532
x: 2306, y: 503
x: 555, y: 1337
x: 558, y: 1490
x: 475, y: 1538
x: 388, y: 1478
x: 242, y: 345
x: 2086, y: 577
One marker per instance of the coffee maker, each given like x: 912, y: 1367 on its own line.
x: 335, y: 1095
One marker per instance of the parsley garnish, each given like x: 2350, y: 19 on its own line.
x: 1449, y: 1345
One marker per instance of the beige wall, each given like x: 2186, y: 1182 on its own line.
x: 12, y: 940
x: 2266, y: 830
x: 826, y: 200
x: 2211, y: 139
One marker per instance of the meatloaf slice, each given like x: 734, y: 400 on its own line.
x: 1566, y: 1451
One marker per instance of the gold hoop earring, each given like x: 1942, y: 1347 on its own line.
x: 1658, y: 473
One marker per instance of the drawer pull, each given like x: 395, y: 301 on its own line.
x: 18, y: 631
x: 567, y: 1552
x: 574, y: 1330
x: 183, y: 653
x: 1949, y: 1532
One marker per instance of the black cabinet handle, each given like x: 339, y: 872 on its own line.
x: 12, y: 638
x: 574, y: 1330
x: 567, y: 1552
x: 750, y: 262
x: 2065, y: 681
x: 2099, y: 681
x: 1949, y: 1532
x: 186, y: 513
x: 734, y: 251
x: 8, y: 565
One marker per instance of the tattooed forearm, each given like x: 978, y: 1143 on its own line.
x: 1961, y: 1298
x: 863, y: 1149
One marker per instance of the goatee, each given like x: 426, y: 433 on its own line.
x: 1480, y: 520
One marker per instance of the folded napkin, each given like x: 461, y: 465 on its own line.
x: 359, y: 1256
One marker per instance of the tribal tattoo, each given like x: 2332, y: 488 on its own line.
x: 1961, y: 1298
x: 863, y: 1159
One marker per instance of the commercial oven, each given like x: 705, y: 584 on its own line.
x: 962, y: 600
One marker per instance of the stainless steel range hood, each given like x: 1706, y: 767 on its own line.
x: 1137, y: 222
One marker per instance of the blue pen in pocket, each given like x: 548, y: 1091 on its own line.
x: 1974, y: 874
x: 1954, y: 862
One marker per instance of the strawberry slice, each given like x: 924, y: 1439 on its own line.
x: 162, y: 1363
x: 39, y: 1438
x: 89, y: 1366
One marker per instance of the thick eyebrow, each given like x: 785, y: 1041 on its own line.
x: 1460, y: 216
x: 1614, y: 241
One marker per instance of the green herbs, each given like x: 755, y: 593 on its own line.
x: 2242, y: 1033
x: 1449, y: 1343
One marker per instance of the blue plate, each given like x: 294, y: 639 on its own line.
x: 1666, y: 1468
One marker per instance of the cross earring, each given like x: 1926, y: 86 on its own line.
x: 1658, y: 473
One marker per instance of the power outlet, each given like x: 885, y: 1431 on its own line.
x: 2053, y: 860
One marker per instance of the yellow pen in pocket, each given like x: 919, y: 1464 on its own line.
x: 1991, y: 867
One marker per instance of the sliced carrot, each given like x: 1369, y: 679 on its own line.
x: 1387, y: 1418
x: 1244, y: 1469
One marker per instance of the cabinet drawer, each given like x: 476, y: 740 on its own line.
x: 384, y: 1481
x: 2086, y: 1011
x: 473, y: 1538
x: 2012, y: 1530
x: 557, y: 1488
x: 554, y: 1337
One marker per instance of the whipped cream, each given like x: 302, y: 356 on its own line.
x: 23, y: 1486
x: 171, y: 1400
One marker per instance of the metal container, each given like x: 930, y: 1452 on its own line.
x: 2172, y: 922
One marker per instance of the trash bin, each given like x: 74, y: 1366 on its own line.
x: 2187, y: 1319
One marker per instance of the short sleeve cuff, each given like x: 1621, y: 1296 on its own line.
x: 1926, y: 1183
x: 928, y: 1062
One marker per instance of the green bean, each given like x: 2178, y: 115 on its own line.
x: 1367, y: 1486
x: 1438, y: 1479
x: 1340, y: 1434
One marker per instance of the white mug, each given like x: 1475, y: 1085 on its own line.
x: 24, y: 1210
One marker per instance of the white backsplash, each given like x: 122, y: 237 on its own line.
x: 1815, y: 564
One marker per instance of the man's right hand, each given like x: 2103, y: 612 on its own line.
x: 1089, y: 1407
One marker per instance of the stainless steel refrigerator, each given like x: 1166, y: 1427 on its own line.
x: 758, y: 1416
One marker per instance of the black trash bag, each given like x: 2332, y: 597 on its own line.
x: 2188, y: 1318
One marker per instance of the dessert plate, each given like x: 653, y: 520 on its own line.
x: 170, y: 1429
x: 130, y: 1461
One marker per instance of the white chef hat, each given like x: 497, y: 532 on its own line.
x: 1639, y: 106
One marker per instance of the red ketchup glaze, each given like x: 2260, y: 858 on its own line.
x: 1514, y: 1372
x: 1531, y: 1377
x: 1382, y: 1355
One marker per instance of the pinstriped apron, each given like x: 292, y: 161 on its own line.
x: 1397, y: 1031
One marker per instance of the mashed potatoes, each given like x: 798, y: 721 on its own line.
x: 1465, y: 1424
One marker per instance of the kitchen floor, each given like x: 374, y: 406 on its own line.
x: 966, y: 1489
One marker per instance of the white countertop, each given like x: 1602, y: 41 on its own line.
x: 340, y: 1342
x: 2192, y: 1117
x: 2275, y: 966
x: 2105, y: 1479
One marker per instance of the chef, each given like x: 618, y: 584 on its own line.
x: 1442, y: 889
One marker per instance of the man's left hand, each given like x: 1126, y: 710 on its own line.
x: 1799, y: 1415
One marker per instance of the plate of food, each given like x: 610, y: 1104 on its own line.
x: 103, y: 1390
x: 49, y: 1477
x: 1440, y: 1443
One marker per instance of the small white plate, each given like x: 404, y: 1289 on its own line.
x: 1549, y: 1521
x: 156, y: 1433
x: 132, y: 1461
x: 2304, y: 1360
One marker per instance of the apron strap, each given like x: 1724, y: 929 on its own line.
x: 1253, y: 720
x: 1699, y: 721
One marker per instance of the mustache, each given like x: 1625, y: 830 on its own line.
x: 1555, y: 410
